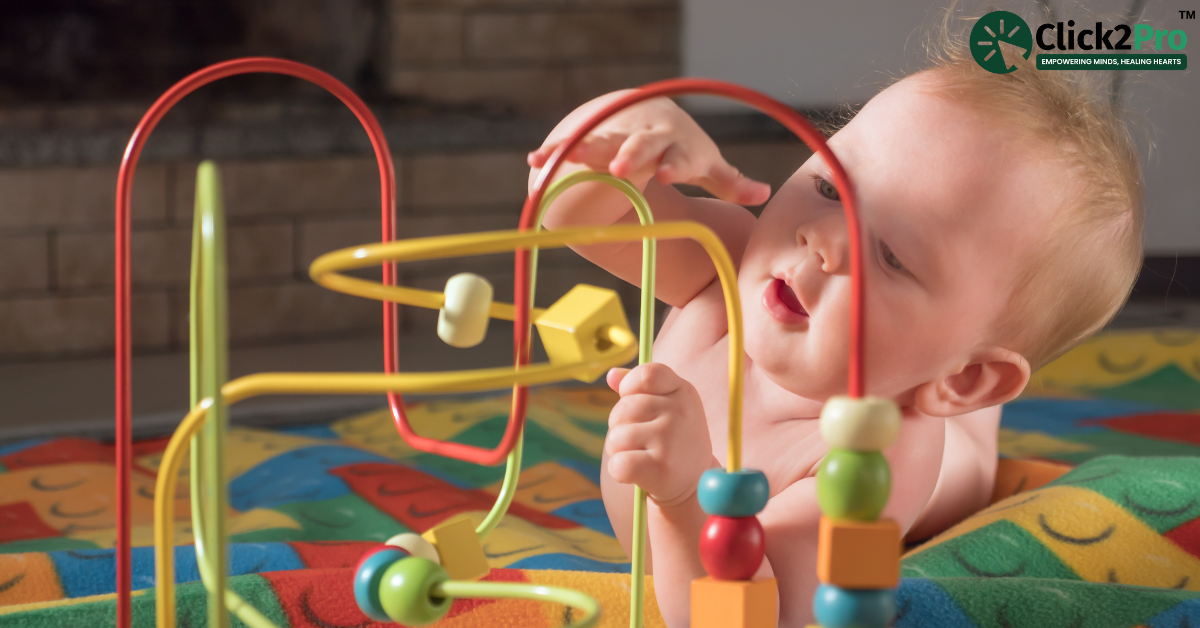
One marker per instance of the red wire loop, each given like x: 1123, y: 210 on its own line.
x: 387, y: 185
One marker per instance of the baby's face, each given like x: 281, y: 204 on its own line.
x: 949, y: 206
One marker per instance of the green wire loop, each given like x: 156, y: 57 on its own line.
x: 209, y: 369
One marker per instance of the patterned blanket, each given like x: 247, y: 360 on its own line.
x: 1077, y: 550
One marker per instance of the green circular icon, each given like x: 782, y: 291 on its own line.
x: 998, y: 38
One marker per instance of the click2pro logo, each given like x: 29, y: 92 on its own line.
x: 998, y: 38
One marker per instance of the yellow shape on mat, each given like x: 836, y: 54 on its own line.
x: 442, y: 420
x: 1014, y: 444
x: 1116, y: 358
x: 549, y: 486
x: 79, y: 497
x: 33, y: 606
x: 28, y: 578
x: 578, y: 414
x: 611, y: 590
x: 236, y: 523
x: 1097, y: 538
x: 245, y: 448
x: 515, y: 539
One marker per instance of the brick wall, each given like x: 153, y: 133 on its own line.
x: 528, y: 55
x: 56, y: 269
x: 299, y: 184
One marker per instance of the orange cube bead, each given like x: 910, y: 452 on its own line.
x: 859, y: 554
x: 734, y: 603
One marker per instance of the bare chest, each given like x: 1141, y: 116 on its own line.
x: 779, y: 435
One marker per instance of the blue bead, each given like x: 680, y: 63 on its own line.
x: 367, y: 579
x: 836, y: 607
x: 739, y: 494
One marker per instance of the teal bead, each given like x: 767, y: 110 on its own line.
x: 367, y: 576
x: 853, y: 484
x: 835, y: 607
x: 406, y: 592
x: 739, y: 494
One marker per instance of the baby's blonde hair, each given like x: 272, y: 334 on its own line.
x: 1081, y: 275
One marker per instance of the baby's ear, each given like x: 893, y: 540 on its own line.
x: 995, y: 375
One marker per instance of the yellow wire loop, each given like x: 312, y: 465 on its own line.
x: 327, y: 271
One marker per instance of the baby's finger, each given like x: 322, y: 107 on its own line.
x: 675, y: 166
x: 633, y: 467
x: 596, y: 151
x: 630, y: 437
x: 727, y: 183
x: 651, y: 378
x: 637, y: 151
x: 614, y: 378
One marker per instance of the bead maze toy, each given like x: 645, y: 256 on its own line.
x: 413, y: 579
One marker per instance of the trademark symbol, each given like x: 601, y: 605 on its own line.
x: 1187, y: 15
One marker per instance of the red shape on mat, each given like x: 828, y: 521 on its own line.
x: 76, y: 450
x: 1177, y: 426
x: 421, y: 501
x: 320, y: 598
x: 1187, y: 536
x: 59, y: 451
x: 20, y: 522
x: 331, y: 554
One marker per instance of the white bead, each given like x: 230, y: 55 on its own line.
x: 463, y: 320
x: 866, y: 424
x: 415, y: 545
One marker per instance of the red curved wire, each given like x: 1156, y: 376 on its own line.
x: 777, y: 110
x: 387, y: 185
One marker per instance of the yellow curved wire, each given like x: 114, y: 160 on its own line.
x: 325, y: 271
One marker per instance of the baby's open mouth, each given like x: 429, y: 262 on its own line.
x: 782, y: 303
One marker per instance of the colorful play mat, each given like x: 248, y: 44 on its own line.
x: 1096, y: 520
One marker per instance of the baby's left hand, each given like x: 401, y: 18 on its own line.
x: 657, y: 433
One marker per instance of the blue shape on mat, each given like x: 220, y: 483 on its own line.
x: 316, y: 430
x: 21, y: 445
x: 589, y: 471
x: 93, y: 572
x: 1062, y: 416
x: 588, y: 513
x: 1182, y: 615
x: 300, y: 475
x: 921, y: 603
x: 568, y: 562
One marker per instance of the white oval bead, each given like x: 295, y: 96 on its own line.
x: 415, y: 545
x: 866, y: 424
x: 463, y: 320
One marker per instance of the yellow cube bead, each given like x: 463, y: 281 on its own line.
x: 570, y: 329
x: 459, y: 549
x: 859, y: 554
x: 734, y: 603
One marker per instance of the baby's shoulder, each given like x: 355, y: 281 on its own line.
x: 698, y: 324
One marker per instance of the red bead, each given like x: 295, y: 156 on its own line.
x: 732, y: 548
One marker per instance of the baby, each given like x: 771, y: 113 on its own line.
x: 1002, y: 224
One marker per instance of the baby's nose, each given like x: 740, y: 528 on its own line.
x: 826, y: 238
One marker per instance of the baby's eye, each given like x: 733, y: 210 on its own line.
x: 826, y: 189
x: 889, y: 257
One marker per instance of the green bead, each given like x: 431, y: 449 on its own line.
x: 406, y: 592
x: 853, y: 484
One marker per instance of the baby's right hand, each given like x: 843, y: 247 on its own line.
x: 652, y: 139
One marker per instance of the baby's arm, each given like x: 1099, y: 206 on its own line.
x: 653, y: 144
